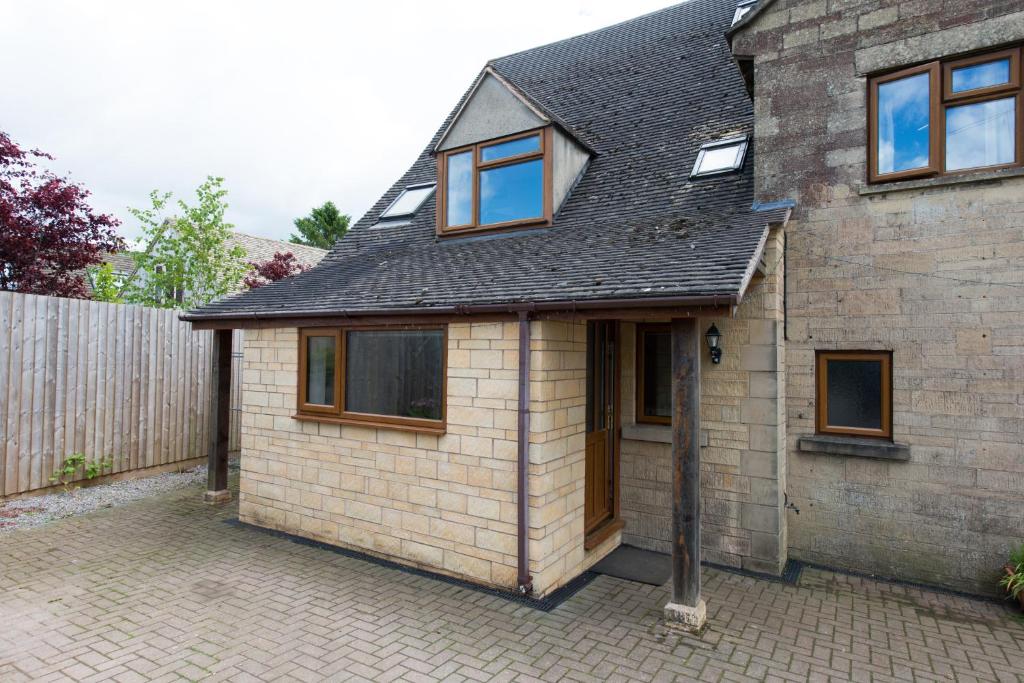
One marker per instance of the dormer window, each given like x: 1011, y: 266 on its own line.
x: 742, y: 7
x: 408, y: 202
x: 495, y: 184
x: 721, y: 156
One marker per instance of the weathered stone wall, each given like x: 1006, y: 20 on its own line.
x: 933, y: 271
x: 742, y: 437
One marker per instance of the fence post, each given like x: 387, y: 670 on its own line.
x: 220, y: 419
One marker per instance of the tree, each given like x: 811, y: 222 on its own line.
x: 48, y: 232
x: 323, y: 227
x: 188, y: 260
x: 274, y: 269
x: 106, y: 284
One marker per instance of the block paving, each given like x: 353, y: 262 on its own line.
x: 163, y: 589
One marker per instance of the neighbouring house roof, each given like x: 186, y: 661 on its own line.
x: 256, y: 249
x: 645, y: 95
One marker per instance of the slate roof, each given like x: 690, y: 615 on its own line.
x: 644, y: 94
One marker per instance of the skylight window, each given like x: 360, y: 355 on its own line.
x: 407, y: 203
x: 742, y: 7
x: 721, y: 156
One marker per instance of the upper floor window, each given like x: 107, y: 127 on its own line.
x: 946, y: 117
x: 408, y: 202
x: 495, y: 184
x: 720, y: 156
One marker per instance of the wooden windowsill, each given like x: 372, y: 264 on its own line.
x: 602, y: 533
x: 373, y: 424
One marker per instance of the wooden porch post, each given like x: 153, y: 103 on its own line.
x: 686, y: 606
x: 220, y: 419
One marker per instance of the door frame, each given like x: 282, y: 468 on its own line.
x: 607, y: 528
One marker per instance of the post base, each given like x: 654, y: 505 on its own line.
x: 217, y: 497
x: 693, y: 619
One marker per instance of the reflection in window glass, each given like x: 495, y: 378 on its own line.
x: 395, y: 372
x: 903, y: 124
x: 855, y: 394
x: 511, y: 148
x: 460, y: 189
x: 511, y: 193
x: 980, y: 134
x: 981, y: 75
x: 657, y: 374
x: 320, y: 353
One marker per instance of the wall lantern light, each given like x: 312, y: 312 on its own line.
x: 714, y: 338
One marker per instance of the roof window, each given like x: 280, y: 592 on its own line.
x: 742, y: 7
x: 409, y: 202
x: 720, y: 156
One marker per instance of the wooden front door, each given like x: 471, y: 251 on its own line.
x: 602, y: 425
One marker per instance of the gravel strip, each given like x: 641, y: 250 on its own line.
x: 32, y: 512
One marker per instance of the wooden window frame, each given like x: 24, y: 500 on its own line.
x: 475, y: 149
x: 642, y: 329
x: 821, y: 393
x: 337, y: 413
x: 941, y: 98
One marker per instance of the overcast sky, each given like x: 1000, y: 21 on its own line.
x: 293, y: 102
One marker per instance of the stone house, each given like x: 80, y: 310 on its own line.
x: 641, y: 288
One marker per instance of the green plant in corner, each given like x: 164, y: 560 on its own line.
x: 1013, y: 582
x: 65, y: 474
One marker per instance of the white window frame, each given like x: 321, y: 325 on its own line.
x: 740, y: 142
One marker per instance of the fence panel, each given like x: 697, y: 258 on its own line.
x: 125, y: 383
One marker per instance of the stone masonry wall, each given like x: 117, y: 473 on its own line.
x: 933, y: 271
x: 445, y: 503
x: 742, y: 437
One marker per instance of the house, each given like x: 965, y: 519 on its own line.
x: 641, y: 288
x: 256, y: 249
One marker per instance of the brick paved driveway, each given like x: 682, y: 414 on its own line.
x: 163, y: 589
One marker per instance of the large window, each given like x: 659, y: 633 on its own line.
x: 495, y: 184
x: 654, y: 374
x: 947, y: 117
x: 379, y: 376
x: 854, y: 393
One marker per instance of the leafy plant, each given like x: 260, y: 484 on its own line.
x: 106, y: 284
x: 68, y: 470
x: 189, y: 260
x: 1013, y: 582
x: 48, y: 231
x: 278, y: 268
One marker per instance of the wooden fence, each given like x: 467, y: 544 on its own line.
x: 127, y: 383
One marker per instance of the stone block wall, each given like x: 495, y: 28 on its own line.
x: 742, y: 437
x: 931, y: 270
x: 446, y: 503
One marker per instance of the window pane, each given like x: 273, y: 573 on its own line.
x: 408, y: 202
x: 657, y: 374
x: 980, y: 134
x: 510, y: 193
x: 395, y: 372
x: 510, y: 148
x: 855, y: 393
x: 903, y: 124
x: 320, y: 370
x: 719, y: 159
x: 981, y: 75
x: 460, y: 189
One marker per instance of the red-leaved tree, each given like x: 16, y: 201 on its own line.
x: 48, y: 232
x: 278, y: 268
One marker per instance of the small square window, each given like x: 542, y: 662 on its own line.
x: 721, y: 156
x: 409, y: 202
x: 854, y: 393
